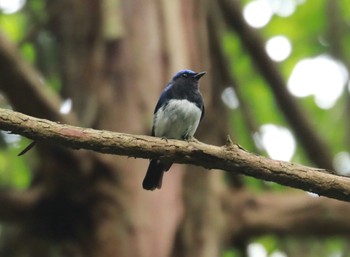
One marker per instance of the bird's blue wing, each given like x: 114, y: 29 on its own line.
x: 163, y: 100
x: 202, y: 112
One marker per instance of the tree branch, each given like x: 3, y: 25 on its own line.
x: 315, y: 147
x: 284, y: 213
x: 25, y: 87
x: 230, y: 157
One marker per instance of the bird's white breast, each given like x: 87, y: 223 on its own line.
x: 177, y: 119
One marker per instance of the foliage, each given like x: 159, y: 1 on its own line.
x: 310, y: 34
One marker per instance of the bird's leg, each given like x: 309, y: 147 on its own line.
x: 191, y: 139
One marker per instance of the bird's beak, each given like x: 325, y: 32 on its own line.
x: 199, y: 75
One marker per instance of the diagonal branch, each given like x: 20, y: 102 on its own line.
x: 284, y: 213
x: 314, y: 145
x: 229, y: 157
x: 222, y: 67
x: 25, y: 88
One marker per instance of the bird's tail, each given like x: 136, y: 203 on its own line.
x: 154, y: 175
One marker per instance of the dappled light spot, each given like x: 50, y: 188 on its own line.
x: 257, y: 13
x: 66, y: 106
x: 256, y: 250
x: 342, y: 163
x: 11, y: 6
x: 278, y: 48
x: 312, y: 194
x: 11, y: 139
x: 321, y: 77
x: 277, y: 141
x: 283, y: 8
x: 229, y: 98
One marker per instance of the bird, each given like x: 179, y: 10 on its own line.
x: 177, y: 114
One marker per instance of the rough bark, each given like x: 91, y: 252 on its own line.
x: 89, y: 204
x: 229, y: 157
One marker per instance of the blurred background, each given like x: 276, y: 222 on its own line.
x: 277, y: 82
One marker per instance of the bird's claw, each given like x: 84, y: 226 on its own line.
x: 192, y: 139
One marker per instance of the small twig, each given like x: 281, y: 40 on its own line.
x: 30, y: 146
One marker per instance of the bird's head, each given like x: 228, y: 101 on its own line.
x: 188, y: 75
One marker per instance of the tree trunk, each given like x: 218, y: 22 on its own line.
x: 115, y: 58
x: 114, y: 80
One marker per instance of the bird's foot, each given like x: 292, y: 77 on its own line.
x: 192, y: 139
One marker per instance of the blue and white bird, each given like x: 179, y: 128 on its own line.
x: 178, y: 112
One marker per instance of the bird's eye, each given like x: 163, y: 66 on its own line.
x: 185, y: 75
